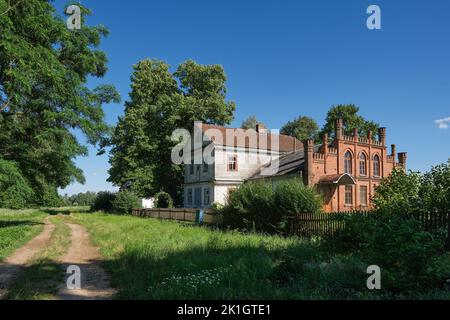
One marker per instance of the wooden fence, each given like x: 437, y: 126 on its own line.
x: 327, y: 224
x: 186, y: 215
x: 303, y: 225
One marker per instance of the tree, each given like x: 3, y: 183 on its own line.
x: 399, y: 193
x: 161, y: 102
x: 302, y: 128
x: 435, y: 188
x: 44, y: 67
x: 352, y: 120
x: 250, y: 123
x: 15, y: 193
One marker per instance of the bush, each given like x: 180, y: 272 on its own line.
x: 252, y: 204
x: 125, y: 202
x: 104, y: 201
x: 399, y: 192
x: 406, y: 253
x: 293, y: 197
x: 15, y: 192
x: 163, y: 200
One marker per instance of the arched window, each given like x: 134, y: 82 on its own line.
x: 348, y: 163
x: 376, y: 166
x: 363, y: 164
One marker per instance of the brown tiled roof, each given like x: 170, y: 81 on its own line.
x: 263, y: 141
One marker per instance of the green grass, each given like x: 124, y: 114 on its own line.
x: 151, y: 259
x: 17, y: 228
x: 41, y: 279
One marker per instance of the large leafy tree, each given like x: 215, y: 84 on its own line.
x: 302, y: 128
x: 44, y: 99
x: 352, y: 120
x: 159, y: 103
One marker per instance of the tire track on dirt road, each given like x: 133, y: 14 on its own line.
x: 95, y: 284
x: 15, y: 264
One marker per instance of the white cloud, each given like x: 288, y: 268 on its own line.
x: 443, y: 123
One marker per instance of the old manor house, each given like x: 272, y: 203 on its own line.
x: 346, y: 170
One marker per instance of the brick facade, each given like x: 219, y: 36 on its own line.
x: 326, y: 169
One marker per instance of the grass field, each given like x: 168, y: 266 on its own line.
x: 151, y: 259
x: 17, y: 228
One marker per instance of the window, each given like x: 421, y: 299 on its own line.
x: 348, y: 163
x: 206, y: 197
x: 205, y: 168
x: 363, y: 195
x: 376, y: 166
x: 191, y: 169
x: 362, y: 165
x: 232, y: 163
x: 189, y: 197
x: 348, y: 195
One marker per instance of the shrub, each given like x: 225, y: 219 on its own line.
x: 399, y: 192
x: 292, y: 197
x: 252, y: 204
x: 104, y: 201
x: 15, y: 192
x: 163, y: 200
x: 435, y: 188
x: 406, y: 253
x: 125, y: 202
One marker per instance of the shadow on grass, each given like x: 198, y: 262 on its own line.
x: 9, y: 224
x: 65, y: 211
x: 241, y: 272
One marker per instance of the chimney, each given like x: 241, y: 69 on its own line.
x: 339, y: 129
x: 261, y: 128
x: 393, y: 150
x: 309, y: 153
x: 402, y: 157
x: 370, y: 136
x: 382, y: 136
x: 355, y: 134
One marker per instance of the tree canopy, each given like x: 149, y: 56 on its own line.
x: 250, y: 123
x: 161, y: 102
x: 302, y: 128
x: 352, y: 120
x: 44, y: 99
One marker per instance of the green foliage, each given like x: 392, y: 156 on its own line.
x: 352, y: 120
x: 399, y: 193
x: 257, y: 205
x: 251, y: 203
x: 125, y: 202
x: 406, y: 253
x: 104, y: 201
x: 250, y: 123
x: 435, y: 188
x: 161, y: 102
x: 163, y: 200
x: 302, y: 128
x: 82, y: 199
x: 44, y: 99
x: 293, y: 197
x: 15, y: 193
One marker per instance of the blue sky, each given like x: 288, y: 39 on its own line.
x: 290, y: 58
